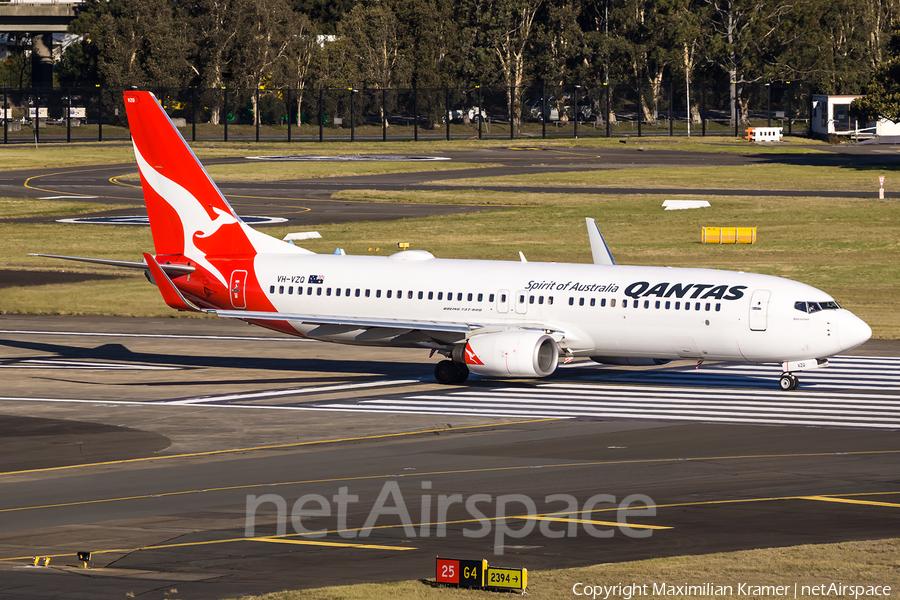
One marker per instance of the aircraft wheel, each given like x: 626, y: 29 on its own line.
x: 462, y: 372
x: 445, y: 372
x: 788, y: 382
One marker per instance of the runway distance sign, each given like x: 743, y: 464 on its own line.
x: 465, y: 573
x: 512, y: 579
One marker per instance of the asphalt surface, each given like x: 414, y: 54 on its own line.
x: 144, y: 441
x: 141, y: 440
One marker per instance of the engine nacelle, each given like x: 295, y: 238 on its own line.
x: 629, y: 361
x: 509, y: 354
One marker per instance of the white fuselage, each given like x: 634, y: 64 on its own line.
x: 597, y: 310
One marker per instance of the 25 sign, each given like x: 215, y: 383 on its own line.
x: 466, y: 573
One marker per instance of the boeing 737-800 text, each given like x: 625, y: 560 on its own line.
x: 493, y: 318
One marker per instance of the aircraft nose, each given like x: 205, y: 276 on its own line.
x: 852, y: 331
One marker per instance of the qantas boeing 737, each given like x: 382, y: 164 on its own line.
x: 493, y: 318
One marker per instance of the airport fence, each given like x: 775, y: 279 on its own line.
x: 318, y: 115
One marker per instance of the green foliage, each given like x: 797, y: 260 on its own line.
x: 882, y: 98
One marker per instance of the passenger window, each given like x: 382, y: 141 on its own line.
x: 469, y: 297
x: 378, y: 293
x: 357, y: 292
x: 687, y: 306
x: 707, y: 306
x: 581, y: 302
x: 718, y: 307
x: 549, y: 299
x: 291, y: 290
x: 459, y: 297
x: 571, y: 301
x: 299, y: 291
x: 657, y: 304
x: 271, y: 289
x: 367, y: 293
x: 593, y: 301
x: 612, y: 303
x: 522, y: 299
x: 280, y: 289
x: 677, y: 305
x: 540, y: 299
x: 328, y: 292
x: 318, y: 291
x: 421, y: 295
x: 409, y: 295
x: 531, y: 300
x: 697, y: 306
x: 389, y: 292
x: 399, y: 294
x: 491, y: 298
x: 603, y: 302
x: 625, y: 303
x: 431, y: 295
x: 502, y: 297
x: 440, y: 295
x: 480, y: 297
x: 646, y: 304
x: 347, y: 292
x: 668, y: 305
x: 337, y: 291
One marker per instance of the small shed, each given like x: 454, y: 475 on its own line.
x: 831, y: 116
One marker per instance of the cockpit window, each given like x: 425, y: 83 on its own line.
x: 814, y: 307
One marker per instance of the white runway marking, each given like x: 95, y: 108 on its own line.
x: 290, y: 392
x: 727, y: 398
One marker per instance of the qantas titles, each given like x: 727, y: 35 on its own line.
x: 643, y: 288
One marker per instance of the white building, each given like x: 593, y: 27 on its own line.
x: 831, y: 116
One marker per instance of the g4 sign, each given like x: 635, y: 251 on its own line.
x: 465, y: 573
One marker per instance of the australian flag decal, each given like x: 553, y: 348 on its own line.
x: 316, y: 279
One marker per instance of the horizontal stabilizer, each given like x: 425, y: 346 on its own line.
x: 599, y: 249
x: 172, y: 270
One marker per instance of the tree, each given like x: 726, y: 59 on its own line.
x: 882, y: 98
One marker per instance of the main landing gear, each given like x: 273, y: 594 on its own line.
x: 788, y: 382
x: 450, y: 371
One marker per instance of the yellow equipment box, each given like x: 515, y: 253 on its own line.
x: 729, y: 235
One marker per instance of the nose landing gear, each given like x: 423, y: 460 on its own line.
x: 788, y: 382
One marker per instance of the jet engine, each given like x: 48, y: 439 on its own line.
x: 520, y: 353
x: 629, y: 361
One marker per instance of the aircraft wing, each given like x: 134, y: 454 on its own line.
x: 599, y: 249
x: 341, y: 320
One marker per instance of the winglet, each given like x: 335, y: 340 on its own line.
x: 602, y: 255
x: 171, y: 294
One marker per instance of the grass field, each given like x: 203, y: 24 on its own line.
x: 761, y: 177
x: 868, y: 563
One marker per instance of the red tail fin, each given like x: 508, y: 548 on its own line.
x: 188, y: 214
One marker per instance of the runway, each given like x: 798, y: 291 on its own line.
x: 140, y: 440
